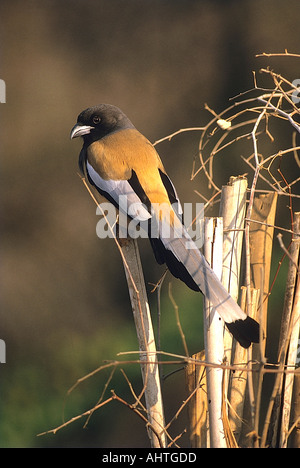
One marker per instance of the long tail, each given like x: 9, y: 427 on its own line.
x: 186, y: 262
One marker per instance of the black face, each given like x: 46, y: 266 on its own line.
x: 96, y: 122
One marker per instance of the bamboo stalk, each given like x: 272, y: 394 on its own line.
x: 291, y: 363
x: 295, y: 414
x: 261, y: 246
x: 213, y: 336
x: 197, y: 407
x: 238, y: 379
x: 145, y: 335
x: 261, y: 241
x: 232, y: 210
x: 295, y: 410
x: 284, y: 331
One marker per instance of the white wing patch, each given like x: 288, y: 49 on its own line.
x: 122, y: 193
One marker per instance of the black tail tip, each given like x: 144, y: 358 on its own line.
x: 244, y: 331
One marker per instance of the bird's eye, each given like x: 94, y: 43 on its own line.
x: 96, y: 119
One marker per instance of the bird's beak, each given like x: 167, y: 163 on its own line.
x: 80, y: 130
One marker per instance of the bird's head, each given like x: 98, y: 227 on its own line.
x: 98, y: 121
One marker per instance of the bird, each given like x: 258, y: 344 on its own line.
x: 119, y: 161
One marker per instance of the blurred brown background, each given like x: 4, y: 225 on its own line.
x: 64, y: 303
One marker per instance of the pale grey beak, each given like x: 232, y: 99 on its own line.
x: 80, y: 130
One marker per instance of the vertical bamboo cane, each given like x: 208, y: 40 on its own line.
x: 197, y: 407
x: 232, y: 210
x: 291, y: 362
x: 295, y: 414
x: 238, y: 379
x: 293, y: 348
x: 261, y: 243
x: 295, y: 410
x: 285, y: 331
x: 213, y: 336
x: 145, y: 334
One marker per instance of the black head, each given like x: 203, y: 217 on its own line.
x: 98, y: 121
